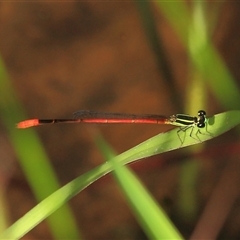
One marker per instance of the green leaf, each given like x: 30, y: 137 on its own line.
x: 217, y: 125
x: 149, y: 214
x: 206, y: 59
x: 33, y: 159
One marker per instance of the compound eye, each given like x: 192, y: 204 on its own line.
x: 201, y: 125
x: 201, y: 113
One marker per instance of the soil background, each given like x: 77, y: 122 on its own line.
x: 67, y: 56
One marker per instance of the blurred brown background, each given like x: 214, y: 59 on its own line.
x: 67, y: 56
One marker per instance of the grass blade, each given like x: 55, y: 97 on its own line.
x: 217, y: 125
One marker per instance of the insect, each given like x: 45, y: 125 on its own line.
x: 184, y: 121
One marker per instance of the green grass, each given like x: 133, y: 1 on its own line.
x: 148, y: 213
x: 168, y: 141
x: 33, y: 159
x: 202, y: 53
x: 208, y: 73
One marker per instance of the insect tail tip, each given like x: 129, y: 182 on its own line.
x: 28, y: 123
